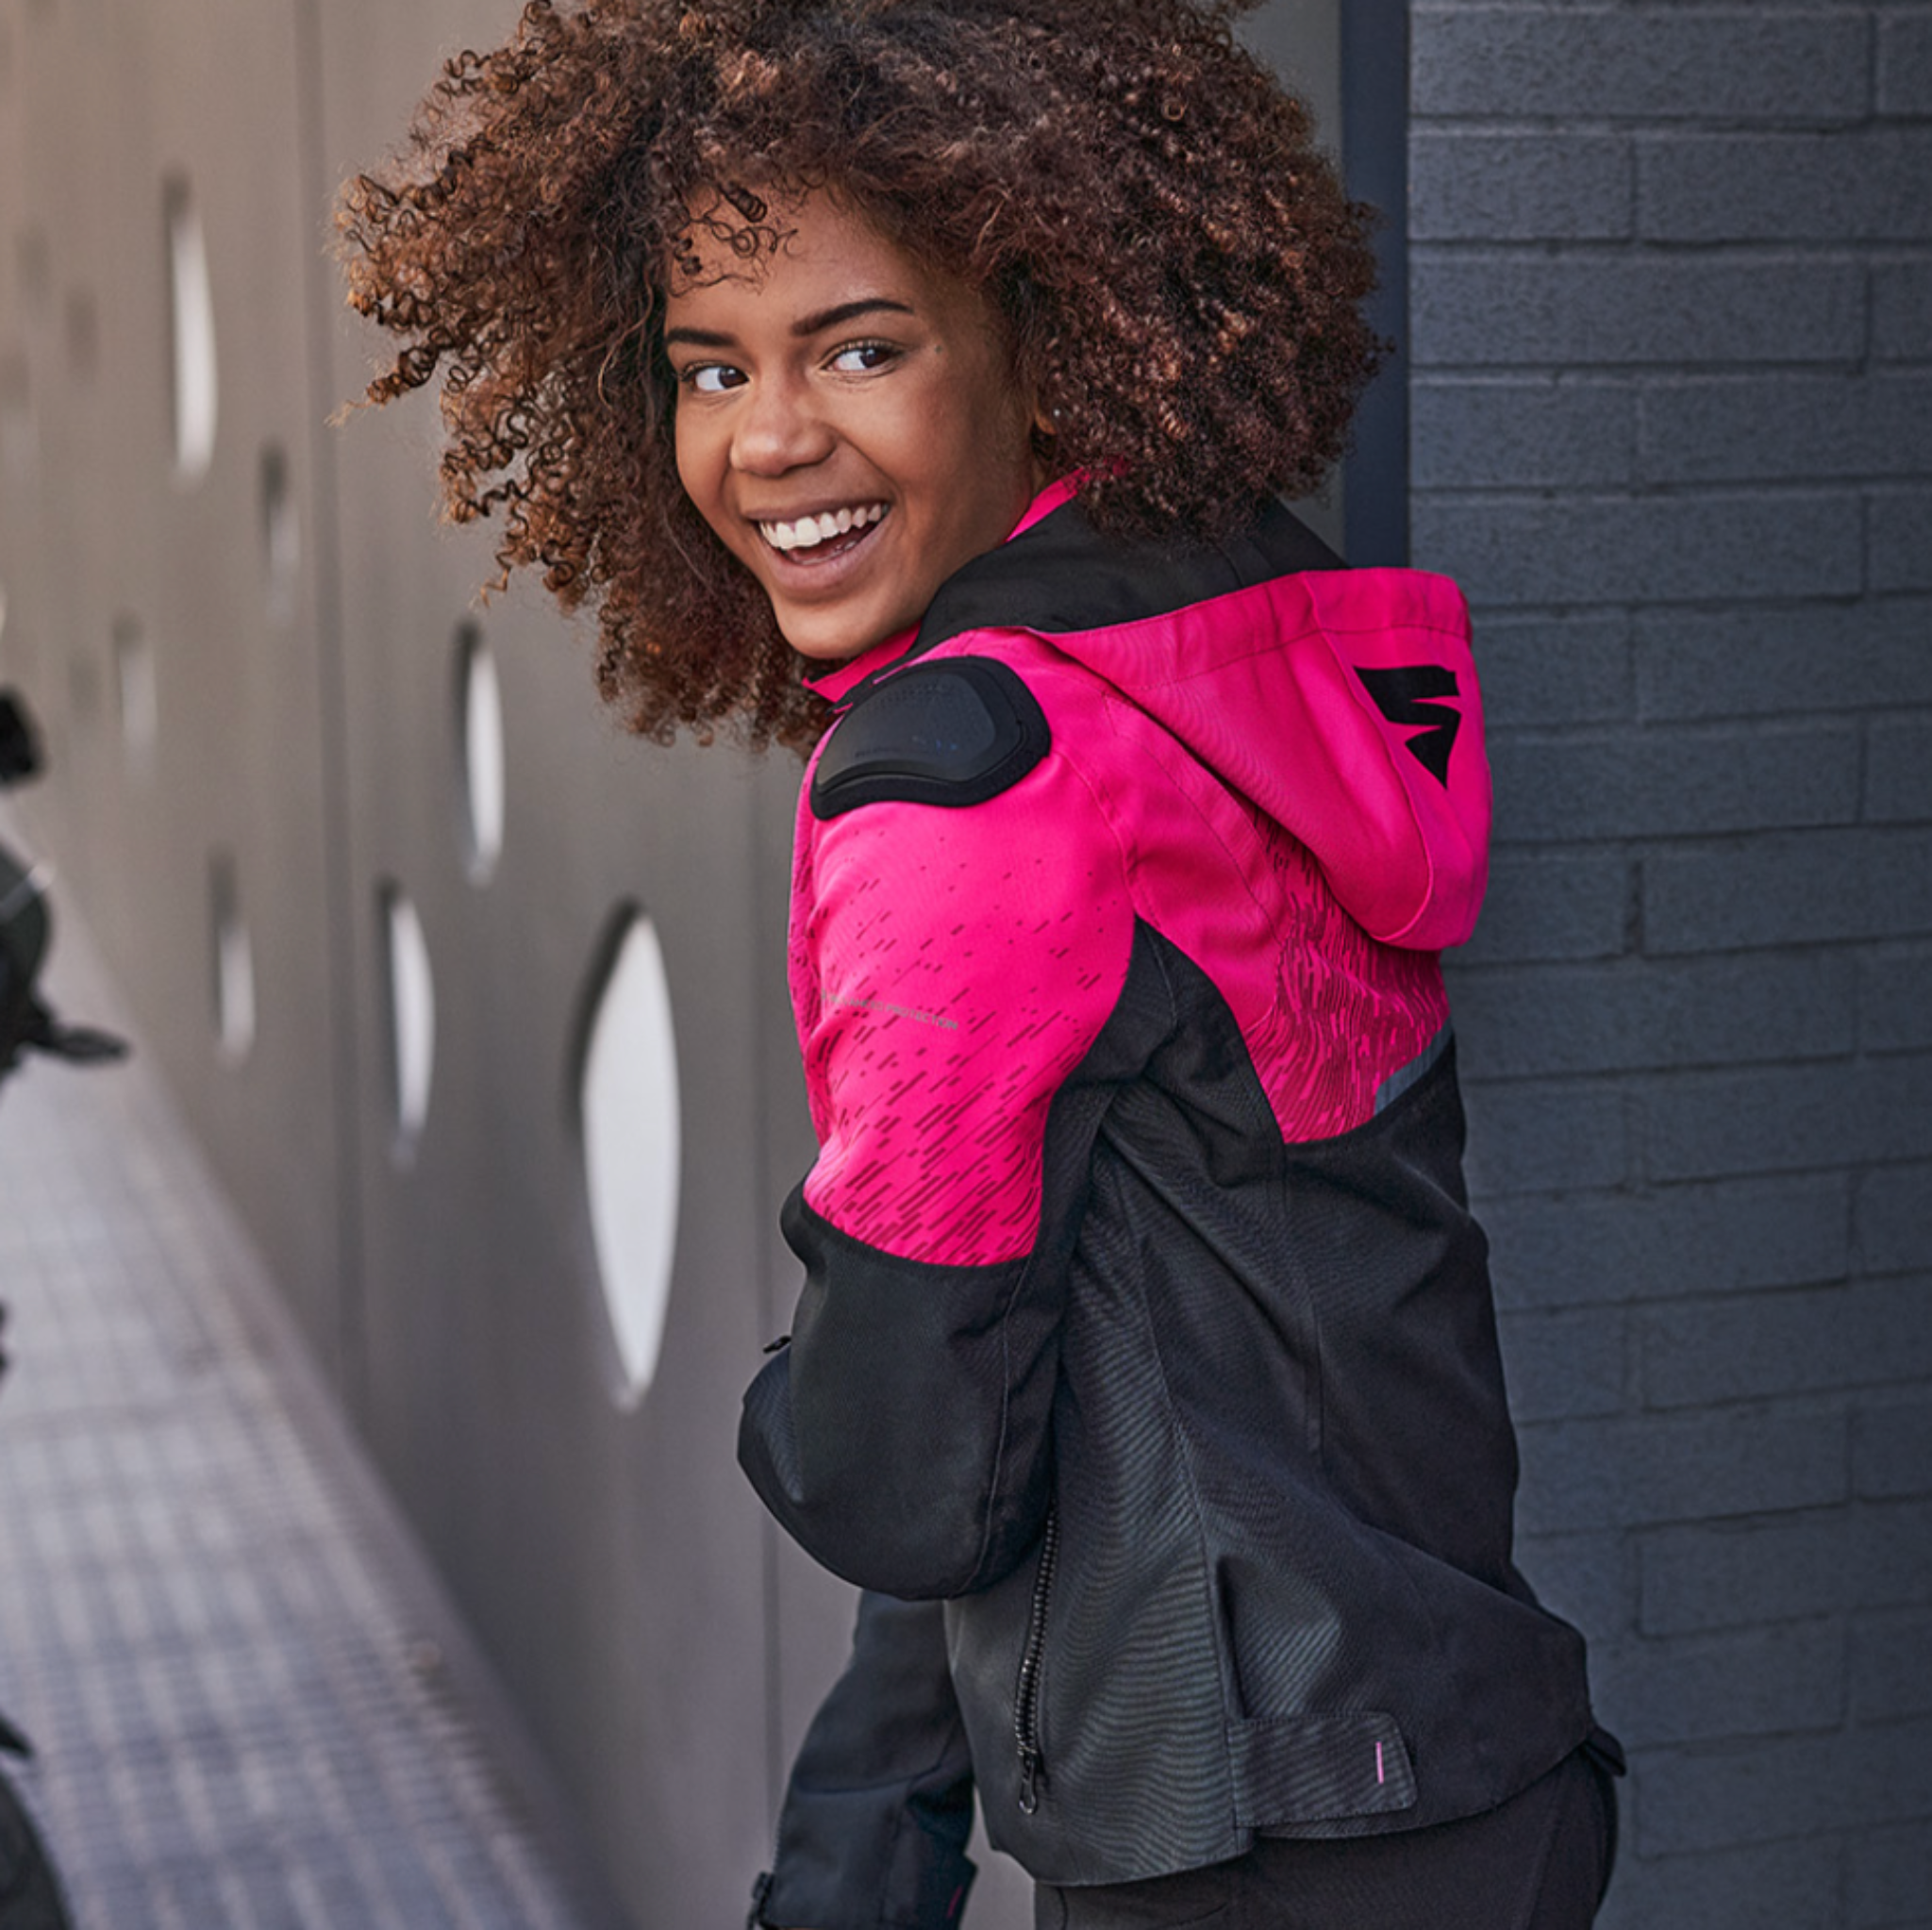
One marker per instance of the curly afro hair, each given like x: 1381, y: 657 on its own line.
x: 1178, y: 268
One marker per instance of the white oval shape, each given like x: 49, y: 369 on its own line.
x: 632, y: 1147
x: 191, y: 314
x: 411, y: 1018
x: 485, y: 782
x: 234, y: 954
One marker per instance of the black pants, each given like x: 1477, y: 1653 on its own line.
x: 1541, y: 1861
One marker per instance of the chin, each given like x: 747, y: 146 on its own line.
x: 833, y: 642
x: 820, y: 649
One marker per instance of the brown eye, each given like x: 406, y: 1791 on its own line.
x: 862, y: 355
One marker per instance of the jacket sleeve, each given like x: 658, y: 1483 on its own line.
x: 879, y: 1806
x: 951, y: 968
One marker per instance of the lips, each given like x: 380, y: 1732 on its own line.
x: 806, y: 534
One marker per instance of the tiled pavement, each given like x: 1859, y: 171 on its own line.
x: 250, y: 1705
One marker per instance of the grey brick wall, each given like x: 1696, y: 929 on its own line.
x: 1671, y: 355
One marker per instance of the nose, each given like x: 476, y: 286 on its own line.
x: 778, y: 429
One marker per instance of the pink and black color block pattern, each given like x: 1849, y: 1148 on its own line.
x: 1142, y: 1293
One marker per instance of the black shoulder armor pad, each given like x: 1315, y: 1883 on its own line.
x: 955, y: 733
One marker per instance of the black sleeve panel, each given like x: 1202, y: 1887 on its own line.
x: 879, y: 1806
x: 901, y: 1437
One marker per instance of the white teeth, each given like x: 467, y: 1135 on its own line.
x: 809, y: 531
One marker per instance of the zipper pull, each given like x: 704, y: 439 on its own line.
x: 1029, y: 1780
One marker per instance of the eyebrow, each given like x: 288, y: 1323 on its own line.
x: 849, y: 311
x: 805, y: 326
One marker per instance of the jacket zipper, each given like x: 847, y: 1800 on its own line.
x: 1026, y: 1699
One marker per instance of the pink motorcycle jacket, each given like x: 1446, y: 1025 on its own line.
x: 1144, y: 1322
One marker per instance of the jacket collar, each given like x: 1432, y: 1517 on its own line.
x: 837, y: 682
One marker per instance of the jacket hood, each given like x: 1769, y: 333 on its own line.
x: 1343, y: 704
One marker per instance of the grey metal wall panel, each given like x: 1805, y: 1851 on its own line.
x: 613, y: 1559
x: 666, y: 1644
x: 110, y: 106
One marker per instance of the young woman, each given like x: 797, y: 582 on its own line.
x: 918, y: 379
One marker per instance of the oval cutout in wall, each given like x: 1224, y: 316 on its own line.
x: 234, y: 963
x: 410, y: 987
x: 479, y: 726
x: 629, y: 1110
x: 192, y: 334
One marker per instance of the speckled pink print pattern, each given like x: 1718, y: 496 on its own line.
x: 951, y: 966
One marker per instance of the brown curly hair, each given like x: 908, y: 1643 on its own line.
x: 1178, y: 268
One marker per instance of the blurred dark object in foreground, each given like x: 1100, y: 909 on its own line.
x: 26, y: 930
x: 30, y: 1888
x: 20, y: 746
x: 30, y: 1897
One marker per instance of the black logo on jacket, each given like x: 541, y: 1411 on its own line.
x: 1402, y: 696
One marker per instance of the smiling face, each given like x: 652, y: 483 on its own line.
x: 847, y: 422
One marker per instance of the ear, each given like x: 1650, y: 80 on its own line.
x: 1044, y: 436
